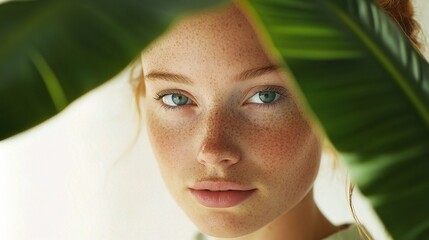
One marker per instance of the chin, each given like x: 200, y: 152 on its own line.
x: 226, y: 225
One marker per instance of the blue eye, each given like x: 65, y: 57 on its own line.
x: 175, y: 100
x: 264, y: 97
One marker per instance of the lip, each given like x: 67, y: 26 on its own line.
x: 220, y: 194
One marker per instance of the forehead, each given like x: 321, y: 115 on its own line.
x: 221, y: 39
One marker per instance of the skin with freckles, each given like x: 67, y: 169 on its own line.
x: 218, y: 109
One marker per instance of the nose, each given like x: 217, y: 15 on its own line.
x: 219, y: 146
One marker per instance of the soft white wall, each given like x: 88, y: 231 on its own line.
x: 422, y: 16
x: 80, y: 176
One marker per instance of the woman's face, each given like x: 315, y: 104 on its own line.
x: 232, y: 145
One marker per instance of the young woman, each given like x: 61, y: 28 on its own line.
x: 233, y: 146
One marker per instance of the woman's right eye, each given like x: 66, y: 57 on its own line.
x: 175, y: 100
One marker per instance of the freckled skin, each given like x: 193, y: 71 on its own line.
x: 274, y: 149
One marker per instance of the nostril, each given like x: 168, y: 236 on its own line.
x: 219, y: 153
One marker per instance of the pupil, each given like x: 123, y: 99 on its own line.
x: 267, y: 96
x: 179, y: 99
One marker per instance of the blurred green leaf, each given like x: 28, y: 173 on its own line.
x: 53, y: 51
x: 370, y: 90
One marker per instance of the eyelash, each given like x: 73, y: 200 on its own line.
x: 160, y: 95
x: 279, y: 90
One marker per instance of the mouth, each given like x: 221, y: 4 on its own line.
x: 220, y: 194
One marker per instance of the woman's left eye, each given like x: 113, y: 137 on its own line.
x: 264, y: 97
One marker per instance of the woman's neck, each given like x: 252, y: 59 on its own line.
x: 304, y: 222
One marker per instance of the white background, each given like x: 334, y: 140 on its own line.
x: 81, y: 176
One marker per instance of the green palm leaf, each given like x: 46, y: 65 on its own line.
x: 369, y: 89
x: 53, y: 51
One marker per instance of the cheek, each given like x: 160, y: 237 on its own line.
x: 287, y: 151
x: 168, y: 141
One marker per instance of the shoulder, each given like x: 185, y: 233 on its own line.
x: 200, y: 236
x: 351, y: 232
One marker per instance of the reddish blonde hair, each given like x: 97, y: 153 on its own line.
x: 402, y: 12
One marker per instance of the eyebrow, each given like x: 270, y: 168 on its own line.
x: 256, y: 72
x: 168, y: 77
x: 248, y: 74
